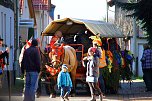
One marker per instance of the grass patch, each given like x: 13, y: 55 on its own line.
x: 137, y: 78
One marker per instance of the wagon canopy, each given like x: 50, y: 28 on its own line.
x: 70, y: 26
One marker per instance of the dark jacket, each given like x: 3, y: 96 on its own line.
x: 93, y: 67
x: 147, y: 59
x: 31, y: 60
x: 3, y: 55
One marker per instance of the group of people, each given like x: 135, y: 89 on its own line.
x: 31, y: 63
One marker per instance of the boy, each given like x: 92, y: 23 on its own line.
x: 64, y: 82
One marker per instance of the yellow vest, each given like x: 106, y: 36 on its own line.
x: 102, y: 59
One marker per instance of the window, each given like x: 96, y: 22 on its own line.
x: 5, y: 27
x: 10, y: 30
x: 1, y: 33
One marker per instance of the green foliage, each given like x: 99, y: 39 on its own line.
x: 142, y: 12
x: 131, y: 1
x: 139, y: 78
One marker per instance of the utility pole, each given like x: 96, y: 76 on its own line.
x: 16, y: 35
x: 107, y: 8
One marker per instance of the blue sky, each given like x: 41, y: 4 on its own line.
x: 84, y: 9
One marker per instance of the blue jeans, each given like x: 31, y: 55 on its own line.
x: 31, y: 84
x: 101, y: 81
x: 66, y: 89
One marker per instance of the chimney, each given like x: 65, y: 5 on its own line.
x: 58, y: 16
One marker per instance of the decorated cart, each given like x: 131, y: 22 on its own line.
x: 77, y: 33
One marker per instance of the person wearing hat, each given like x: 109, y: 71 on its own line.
x: 3, y: 55
x: 100, y: 53
x: 31, y: 66
x: 92, y: 73
x: 64, y: 83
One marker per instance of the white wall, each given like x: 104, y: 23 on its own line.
x: 23, y: 32
x: 140, y: 43
x: 138, y: 50
x: 42, y: 19
x: 26, y: 13
x: 7, y: 31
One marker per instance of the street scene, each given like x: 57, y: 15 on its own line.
x: 78, y: 50
x: 135, y: 92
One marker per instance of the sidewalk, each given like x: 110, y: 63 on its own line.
x: 125, y: 93
x: 135, y: 92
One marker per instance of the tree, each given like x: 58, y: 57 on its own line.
x: 142, y: 12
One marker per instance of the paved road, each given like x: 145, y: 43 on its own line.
x: 126, y: 93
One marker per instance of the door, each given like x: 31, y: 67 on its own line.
x: 140, y: 52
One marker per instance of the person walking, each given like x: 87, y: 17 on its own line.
x: 101, y: 54
x: 64, y: 83
x: 147, y: 67
x: 30, y: 65
x: 92, y: 73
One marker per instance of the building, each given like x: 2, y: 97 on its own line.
x: 27, y: 21
x: 35, y: 15
x: 7, y: 28
x: 135, y: 37
x: 42, y: 12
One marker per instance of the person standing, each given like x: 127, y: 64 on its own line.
x: 92, y: 73
x: 64, y: 83
x: 3, y: 54
x: 26, y: 46
x: 101, y: 54
x: 147, y: 67
x: 31, y: 65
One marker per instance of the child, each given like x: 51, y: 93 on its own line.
x: 64, y: 83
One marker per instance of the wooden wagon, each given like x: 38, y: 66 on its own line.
x: 74, y: 34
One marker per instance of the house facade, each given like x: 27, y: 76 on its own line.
x: 33, y: 23
x: 27, y: 21
x: 42, y: 10
x: 7, y: 28
x: 134, y: 35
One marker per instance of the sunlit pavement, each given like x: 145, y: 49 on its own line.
x: 135, y: 92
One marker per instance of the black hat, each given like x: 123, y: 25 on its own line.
x: 1, y: 39
x: 34, y: 42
